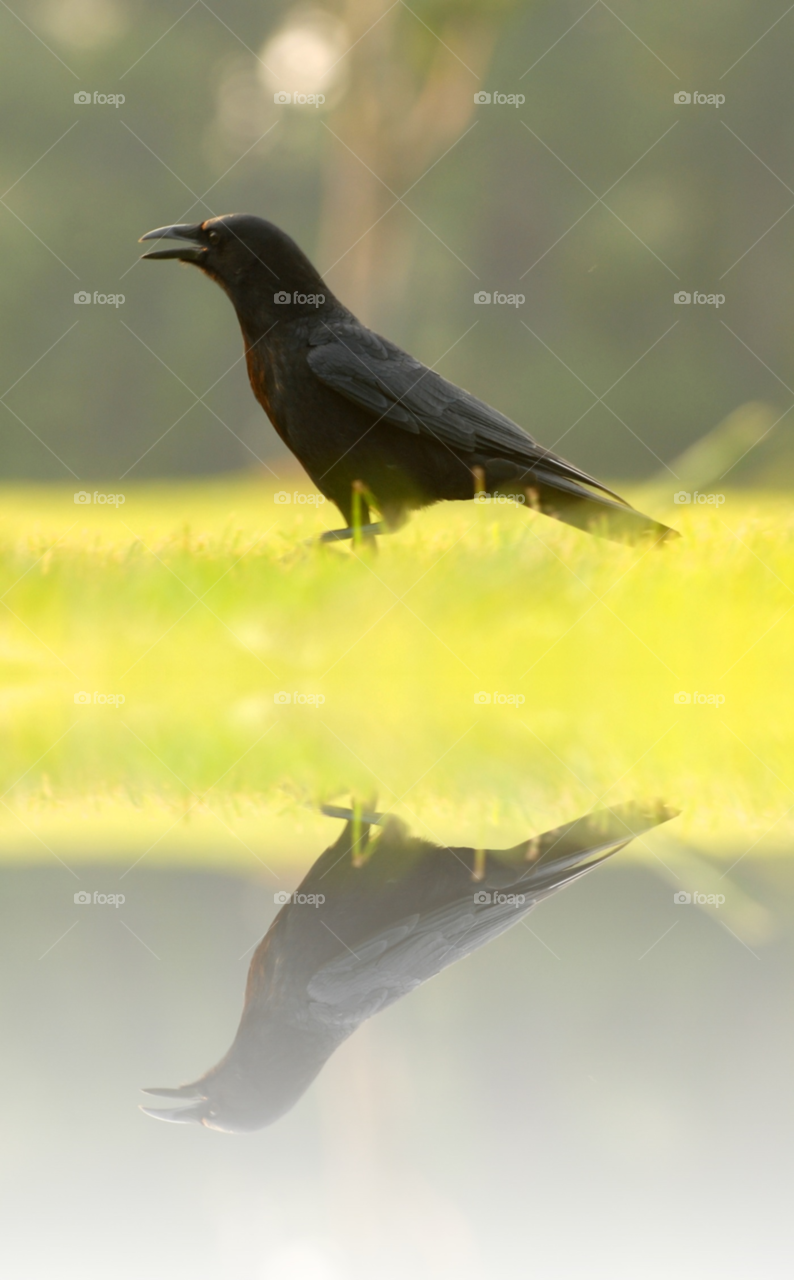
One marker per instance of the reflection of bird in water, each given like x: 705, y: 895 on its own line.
x: 377, y: 914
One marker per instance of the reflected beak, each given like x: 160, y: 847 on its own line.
x: 181, y: 231
x: 182, y: 1091
x: 177, y: 1115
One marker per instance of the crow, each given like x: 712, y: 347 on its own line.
x: 371, y: 425
x: 374, y: 917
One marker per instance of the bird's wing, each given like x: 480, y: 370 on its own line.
x: 378, y: 376
x: 352, y: 987
x: 387, y: 965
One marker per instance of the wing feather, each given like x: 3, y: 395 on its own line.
x: 380, y: 377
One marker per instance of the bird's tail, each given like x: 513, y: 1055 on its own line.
x: 596, y: 510
x: 601, y: 516
x: 562, y: 855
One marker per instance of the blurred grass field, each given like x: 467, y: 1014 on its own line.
x: 200, y: 604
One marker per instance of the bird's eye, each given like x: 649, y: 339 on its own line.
x: 213, y: 237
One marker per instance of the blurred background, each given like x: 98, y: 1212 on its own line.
x: 608, y: 1092
x: 589, y: 192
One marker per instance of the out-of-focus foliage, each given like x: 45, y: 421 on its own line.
x: 502, y: 198
x: 202, y: 607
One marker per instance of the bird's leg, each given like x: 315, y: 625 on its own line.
x: 360, y: 529
x: 339, y: 535
x: 360, y: 515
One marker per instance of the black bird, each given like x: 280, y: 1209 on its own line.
x: 373, y: 919
x: 370, y: 424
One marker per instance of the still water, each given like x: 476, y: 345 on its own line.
x: 602, y: 1089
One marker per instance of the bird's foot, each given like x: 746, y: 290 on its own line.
x: 366, y: 530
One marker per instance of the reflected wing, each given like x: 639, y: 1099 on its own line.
x: 386, y: 967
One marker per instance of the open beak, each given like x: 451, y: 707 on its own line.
x: 177, y: 1115
x: 193, y: 1114
x: 181, y: 231
x: 182, y: 1091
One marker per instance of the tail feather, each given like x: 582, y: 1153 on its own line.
x: 563, y: 854
x: 564, y: 498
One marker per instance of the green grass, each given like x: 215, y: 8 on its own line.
x: 199, y: 602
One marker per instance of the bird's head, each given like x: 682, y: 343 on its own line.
x: 231, y: 1107
x: 266, y: 1071
x: 259, y: 266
